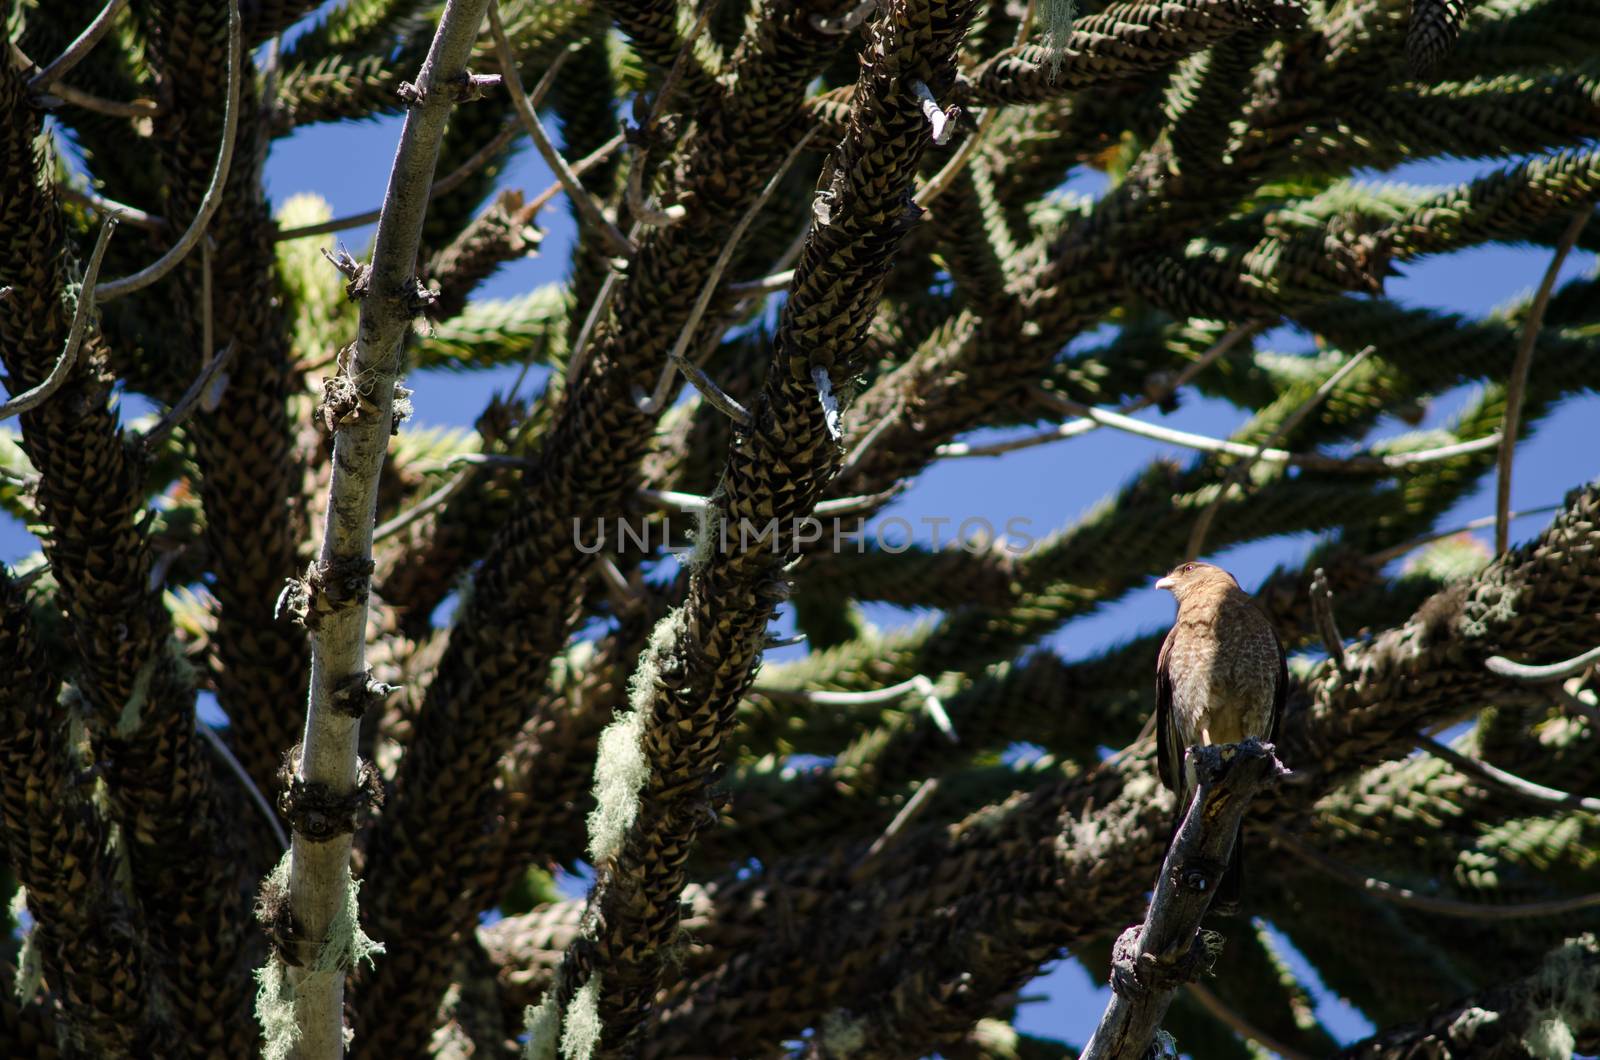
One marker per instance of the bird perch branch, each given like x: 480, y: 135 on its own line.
x: 1151, y: 961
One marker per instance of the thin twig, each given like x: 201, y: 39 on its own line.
x: 919, y: 801
x: 1539, y: 674
x: 114, y: 108
x: 940, y: 181
x: 777, y: 281
x: 1358, y: 463
x: 455, y: 179
x: 243, y: 776
x: 934, y: 707
x: 673, y: 500
x: 1396, y: 551
x: 624, y: 596
x: 579, y: 168
x: 845, y: 22
x: 490, y: 460
x: 824, y: 698
x: 21, y: 579
x: 36, y: 396
x: 680, y: 63
x: 602, y: 301
x: 1510, y: 781
x: 619, y: 243
x: 422, y: 507
x: 208, y: 323
x: 1549, y: 677
x: 191, y: 397
x: 1237, y: 473
x: 1452, y: 907
x: 708, y: 290
x: 219, y: 176
x: 641, y: 207
x: 1025, y: 24
x: 782, y: 274
x: 440, y: 187
x: 1082, y: 426
x: 79, y: 48
x: 718, y: 398
x: 1327, y: 628
x: 638, y: 203
x: 859, y: 453
x: 864, y: 502
x: 1517, y: 384
x: 1241, y: 1026
x: 130, y: 215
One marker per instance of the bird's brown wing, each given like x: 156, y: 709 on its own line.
x: 1169, y: 750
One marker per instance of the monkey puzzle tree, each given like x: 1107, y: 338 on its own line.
x: 820, y: 245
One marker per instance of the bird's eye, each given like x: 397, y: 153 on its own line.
x: 1188, y: 567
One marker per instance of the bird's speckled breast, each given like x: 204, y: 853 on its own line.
x: 1224, y: 693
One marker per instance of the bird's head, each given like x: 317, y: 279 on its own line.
x: 1194, y: 577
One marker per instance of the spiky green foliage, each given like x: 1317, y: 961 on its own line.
x: 617, y: 713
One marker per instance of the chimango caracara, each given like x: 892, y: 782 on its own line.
x: 1220, y: 678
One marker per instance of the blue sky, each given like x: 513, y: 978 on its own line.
x: 1050, y: 486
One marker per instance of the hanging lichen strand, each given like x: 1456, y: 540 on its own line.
x: 816, y: 250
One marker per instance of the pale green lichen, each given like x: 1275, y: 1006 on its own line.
x: 30, y: 971
x: 344, y: 946
x: 841, y: 1033
x: 1448, y: 559
x: 620, y: 771
x: 1568, y: 985
x: 996, y: 1038
x: 128, y: 722
x: 581, y: 1033
x: 274, y: 993
x: 1550, y: 1039
x: 543, y: 1024
x: 621, y: 767
x: 707, y: 531
x: 1055, y: 18
x: 275, y: 1010
x: 170, y: 655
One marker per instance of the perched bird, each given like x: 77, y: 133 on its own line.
x: 1220, y: 678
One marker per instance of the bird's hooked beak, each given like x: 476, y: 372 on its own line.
x: 1165, y: 582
